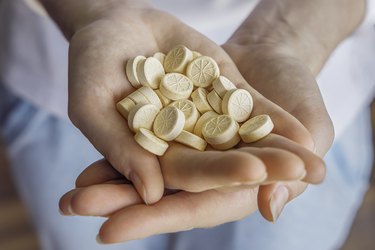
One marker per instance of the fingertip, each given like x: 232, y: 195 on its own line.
x: 249, y: 169
x: 318, y: 173
x: 65, y: 207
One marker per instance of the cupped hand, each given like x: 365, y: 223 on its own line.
x: 97, y: 55
x: 268, y: 60
x: 103, y: 191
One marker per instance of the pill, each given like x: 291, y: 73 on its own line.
x: 190, y: 111
x: 202, y: 121
x: 191, y: 140
x: 177, y: 59
x: 124, y: 106
x: 222, y: 84
x: 137, y: 97
x: 164, y: 100
x: 150, y: 72
x: 202, y: 71
x: 131, y: 70
x: 196, y: 54
x: 256, y: 128
x: 229, y: 144
x: 176, y: 86
x: 220, y: 129
x: 160, y: 56
x: 215, y: 101
x: 147, y: 140
x: 142, y: 116
x: 151, y: 95
x: 238, y: 103
x: 169, y: 123
x: 199, y: 97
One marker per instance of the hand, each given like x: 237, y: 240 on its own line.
x: 102, y: 191
x: 98, y: 52
x: 266, y: 54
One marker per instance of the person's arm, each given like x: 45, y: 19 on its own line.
x: 280, y: 48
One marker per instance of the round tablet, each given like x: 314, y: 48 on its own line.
x: 147, y: 140
x: 191, y: 140
x: 190, y: 111
x: 202, y: 121
x: 219, y: 130
x: 238, y: 103
x: 176, y: 86
x: 177, y: 59
x: 199, y: 97
x: 150, y: 72
x: 142, y: 116
x: 169, y: 123
x: 124, y: 106
x: 222, y: 84
x: 151, y: 95
x: 160, y: 56
x: 202, y: 71
x: 131, y: 70
x: 256, y: 128
x: 215, y: 101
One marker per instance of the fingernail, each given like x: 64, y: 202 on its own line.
x: 99, y: 240
x: 278, y: 201
x: 139, y: 186
x: 70, y: 210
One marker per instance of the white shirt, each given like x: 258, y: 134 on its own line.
x: 33, y: 54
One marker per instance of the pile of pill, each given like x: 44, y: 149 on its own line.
x: 182, y: 97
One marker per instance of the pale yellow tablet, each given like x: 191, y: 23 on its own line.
x: 202, y: 121
x: 164, y: 100
x: 177, y: 59
x: 190, y: 111
x: 150, y: 72
x: 202, y: 71
x: 169, y: 123
x: 137, y: 97
x: 124, y: 106
x: 142, y: 116
x: 191, y: 140
x: 215, y: 101
x: 238, y: 103
x: 229, y: 144
x: 256, y: 128
x: 160, y: 56
x: 219, y: 130
x: 151, y: 95
x: 131, y: 70
x: 199, y: 97
x: 176, y: 86
x: 147, y: 140
x: 222, y: 85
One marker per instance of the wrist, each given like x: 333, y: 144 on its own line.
x: 306, y: 30
x: 71, y: 15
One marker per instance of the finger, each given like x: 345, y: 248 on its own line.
x: 179, y: 212
x: 99, y: 200
x: 273, y: 198
x: 194, y: 171
x: 96, y: 82
x: 281, y: 165
x: 314, y: 165
x: 98, y: 172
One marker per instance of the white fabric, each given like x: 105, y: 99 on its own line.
x: 33, y: 54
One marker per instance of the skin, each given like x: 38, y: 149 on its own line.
x: 103, y: 37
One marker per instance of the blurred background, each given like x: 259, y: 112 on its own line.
x: 16, y: 232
